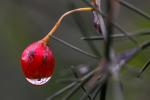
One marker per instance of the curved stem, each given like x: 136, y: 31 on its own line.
x: 46, y: 38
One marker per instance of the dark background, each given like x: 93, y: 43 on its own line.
x: 25, y: 21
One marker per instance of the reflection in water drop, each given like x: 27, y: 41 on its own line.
x: 38, y: 81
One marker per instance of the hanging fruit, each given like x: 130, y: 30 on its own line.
x: 37, y: 59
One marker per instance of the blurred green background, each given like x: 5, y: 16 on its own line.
x: 25, y: 21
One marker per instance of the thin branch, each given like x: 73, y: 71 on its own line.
x: 83, y: 81
x: 116, y: 25
x: 74, y: 47
x: 144, y: 68
x: 61, y: 91
x: 117, y: 87
x: 73, y: 91
x: 123, y: 31
x: 83, y: 26
x: 135, y: 9
x: 123, y: 58
x: 98, y: 19
x: 145, y: 45
x: 103, y: 91
x: 98, y: 90
x: 76, y: 75
x: 138, y: 33
x: 86, y: 77
x: 110, y: 9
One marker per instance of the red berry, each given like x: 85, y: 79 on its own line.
x: 38, y: 63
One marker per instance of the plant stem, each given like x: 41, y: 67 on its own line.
x: 46, y: 38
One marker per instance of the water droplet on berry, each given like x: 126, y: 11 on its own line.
x: 38, y: 81
x: 37, y: 63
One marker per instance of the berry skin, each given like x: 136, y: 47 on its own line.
x: 37, y: 61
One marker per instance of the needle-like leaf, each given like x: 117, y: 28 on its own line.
x: 74, y: 47
x: 138, y: 33
x: 144, y: 68
x: 86, y: 77
x: 135, y: 9
x: 76, y: 75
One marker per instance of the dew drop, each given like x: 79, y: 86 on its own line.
x: 38, y: 81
